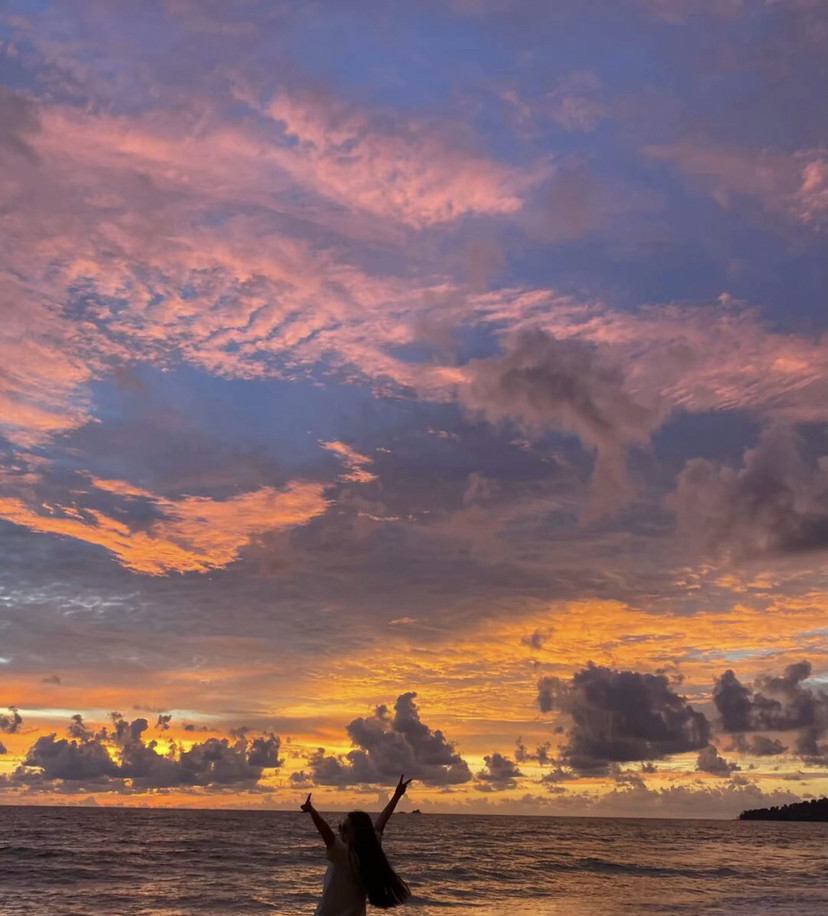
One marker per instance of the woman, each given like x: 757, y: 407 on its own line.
x: 357, y: 867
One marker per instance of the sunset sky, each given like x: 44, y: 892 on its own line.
x: 424, y: 386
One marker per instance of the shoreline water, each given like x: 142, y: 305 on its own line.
x: 134, y: 861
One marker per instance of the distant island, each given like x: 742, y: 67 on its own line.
x: 814, y: 810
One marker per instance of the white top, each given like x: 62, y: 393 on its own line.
x: 342, y: 894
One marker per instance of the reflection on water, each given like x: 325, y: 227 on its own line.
x: 126, y: 862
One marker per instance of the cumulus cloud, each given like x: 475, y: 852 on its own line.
x: 775, y: 504
x: 77, y: 728
x: 118, y: 759
x: 709, y: 761
x: 10, y: 723
x: 264, y: 752
x: 621, y: 716
x: 543, y: 383
x: 386, y: 745
x: 759, y: 745
x: 776, y: 704
x: 499, y: 773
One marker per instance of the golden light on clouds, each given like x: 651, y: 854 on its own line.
x: 345, y: 407
x: 191, y: 534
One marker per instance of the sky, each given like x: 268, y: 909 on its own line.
x: 432, y: 387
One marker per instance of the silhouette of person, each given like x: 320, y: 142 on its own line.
x: 358, y: 870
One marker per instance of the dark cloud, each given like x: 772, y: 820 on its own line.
x: 775, y: 504
x: 758, y: 745
x: 3, y: 748
x: 733, y: 702
x: 499, y: 773
x: 51, y: 679
x: 10, y: 723
x: 163, y: 721
x: 536, y: 640
x: 541, y: 754
x: 77, y: 729
x: 264, y: 752
x: 120, y: 760
x: 709, y: 761
x: 775, y: 704
x: 545, y: 383
x: 60, y: 758
x: 386, y: 745
x: 621, y: 716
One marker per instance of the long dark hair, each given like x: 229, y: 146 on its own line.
x: 383, y: 886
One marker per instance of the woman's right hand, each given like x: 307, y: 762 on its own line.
x: 307, y: 807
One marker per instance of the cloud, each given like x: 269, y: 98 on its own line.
x: 792, y: 185
x: 353, y: 461
x: 543, y: 383
x: 120, y: 760
x: 59, y: 758
x: 386, y: 745
x: 775, y: 704
x: 264, y: 752
x: 10, y: 723
x: 691, y: 802
x: 77, y: 729
x: 709, y: 761
x: 775, y: 504
x: 499, y: 773
x: 621, y: 716
x: 541, y: 754
x: 189, y: 534
x: 410, y: 173
x: 759, y: 745
x: 18, y: 122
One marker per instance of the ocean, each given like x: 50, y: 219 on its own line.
x: 131, y: 861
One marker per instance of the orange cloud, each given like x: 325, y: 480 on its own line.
x: 194, y: 534
x: 353, y: 461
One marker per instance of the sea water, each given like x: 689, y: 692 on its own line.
x: 130, y: 861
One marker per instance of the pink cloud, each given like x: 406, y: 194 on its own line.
x: 793, y: 185
x: 410, y: 174
x: 116, y: 210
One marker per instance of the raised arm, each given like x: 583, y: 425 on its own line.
x: 319, y: 822
x: 388, y: 810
